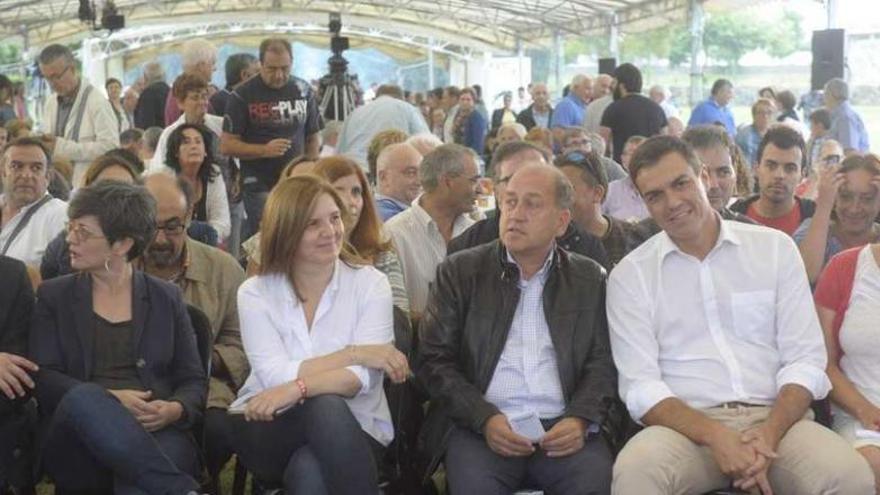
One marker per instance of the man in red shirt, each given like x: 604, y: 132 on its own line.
x: 780, y: 163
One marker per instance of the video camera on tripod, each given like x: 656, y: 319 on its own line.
x: 338, y: 88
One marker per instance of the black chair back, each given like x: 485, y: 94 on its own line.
x: 204, y: 335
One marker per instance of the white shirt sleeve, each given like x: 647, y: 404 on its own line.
x: 375, y: 326
x: 99, y: 117
x: 803, y: 357
x: 634, y: 344
x: 262, y: 339
x: 217, y: 205
x: 158, y: 161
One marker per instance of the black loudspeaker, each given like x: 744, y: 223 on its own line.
x: 829, y: 47
x: 607, y: 66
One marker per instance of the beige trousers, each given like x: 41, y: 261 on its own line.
x: 812, y: 460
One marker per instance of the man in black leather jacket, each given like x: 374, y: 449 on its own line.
x: 514, y: 353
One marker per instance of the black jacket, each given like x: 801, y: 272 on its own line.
x: 62, y: 342
x: 807, y: 206
x: 465, y: 328
x: 150, y: 109
x: 574, y: 239
x: 527, y: 117
x: 16, y: 306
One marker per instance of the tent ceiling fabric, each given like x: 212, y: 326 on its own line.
x: 500, y: 25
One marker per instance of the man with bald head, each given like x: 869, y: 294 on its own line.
x: 523, y: 410
x: 602, y: 97
x: 506, y: 161
x: 209, y: 279
x: 539, y: 113
x: 397, y: 179
x: 571, y: 110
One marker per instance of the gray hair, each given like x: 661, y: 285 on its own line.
x: 838, y: 89
x: 153, y: 72
x: 197, y: 51
x: 598, y: 143
x: 563, y: 191
x: 151, y: 137
x: 580, y: 79
x: 447, y: 159
x: 518, y: 128
x: 55, y: 51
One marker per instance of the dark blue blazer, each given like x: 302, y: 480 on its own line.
x: 62, y: 342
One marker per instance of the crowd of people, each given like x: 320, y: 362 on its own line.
x: 589, y: 296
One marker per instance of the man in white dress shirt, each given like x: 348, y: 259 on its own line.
x: 515, y: 354
x: 450, y: 179
x: 29, y: 217
x: 719, y: 350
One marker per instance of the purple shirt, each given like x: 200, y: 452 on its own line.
x: 624, y: 201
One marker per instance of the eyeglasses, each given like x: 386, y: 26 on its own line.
x: 80, y: 233
x: 172, y: 227
x: 57, y: 77
x: 831, y: 159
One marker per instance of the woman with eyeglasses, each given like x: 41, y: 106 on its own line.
x: 847, y: 206
x: 120, y: 381
x: 56, y: 258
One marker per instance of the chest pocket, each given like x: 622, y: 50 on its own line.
x: 754, y: 316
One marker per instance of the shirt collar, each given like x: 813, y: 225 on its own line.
x: 541, y: 274
x: 575, y: 98
x: 382, y: 197
x: 68, y: 100
x: 195, y: 266
x: 331, y: 289
x: 420, y: 213
x: 725, y: 235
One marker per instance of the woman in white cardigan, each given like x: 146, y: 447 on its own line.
x: 189, y: 155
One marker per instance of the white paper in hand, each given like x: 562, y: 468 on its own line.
x: 867, y: 434
x: 527, y: 425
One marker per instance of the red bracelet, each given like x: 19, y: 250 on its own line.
x: 303, y: 390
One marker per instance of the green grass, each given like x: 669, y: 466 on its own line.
x: 225, y: 482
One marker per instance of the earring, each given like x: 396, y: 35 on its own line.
x: 107, y: 265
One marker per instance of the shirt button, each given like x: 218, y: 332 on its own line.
x: 140, y: 363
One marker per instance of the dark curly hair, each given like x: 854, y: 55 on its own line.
x: 206, y: 172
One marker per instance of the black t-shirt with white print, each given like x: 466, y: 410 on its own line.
x: 259, y: 114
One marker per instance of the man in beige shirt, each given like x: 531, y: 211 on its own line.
x: 209, y: 279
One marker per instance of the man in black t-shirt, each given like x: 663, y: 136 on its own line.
x: 269, y: 120
x: 631, y: 113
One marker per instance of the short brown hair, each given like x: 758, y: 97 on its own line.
x: 102, y: 163
x: 186, y: 83
x: 275, y: 45
x: 285, y: 218
x: 654, y: 149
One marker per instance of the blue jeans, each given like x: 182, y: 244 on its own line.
x: 94, y: 445
x: 315, y: 448
x: 254, y: 197
x: 472, y: 467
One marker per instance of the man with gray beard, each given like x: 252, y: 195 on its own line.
x: 209, y: 279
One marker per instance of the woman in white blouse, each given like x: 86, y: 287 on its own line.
x: 191, y: 157
x: 317, y: 328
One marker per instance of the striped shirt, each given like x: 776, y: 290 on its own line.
x: 420, y: 247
